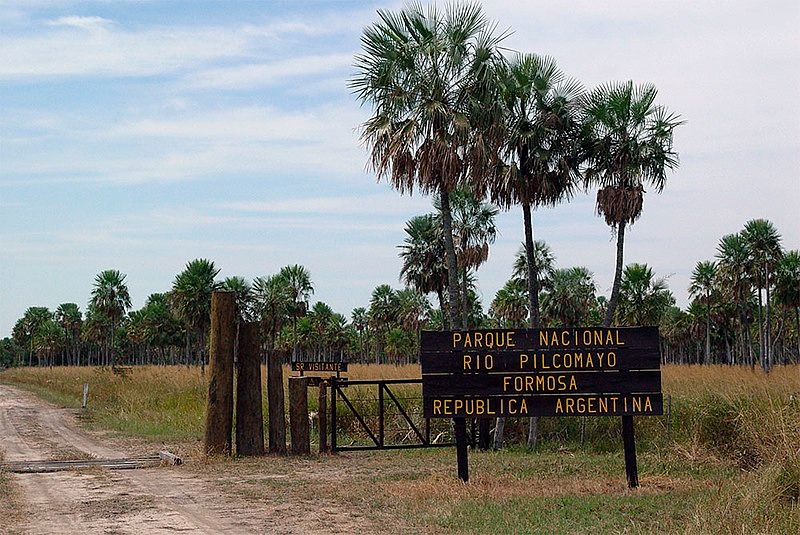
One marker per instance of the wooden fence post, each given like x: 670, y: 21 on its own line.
x: 322, y: 414
x: 219, y: 403
x: 275, y: 401
x: 298, y: 416
x: 249, y: 419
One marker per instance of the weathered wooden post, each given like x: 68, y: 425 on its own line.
x: 298, y: 416
x: 322, y: 413
x: 249, y: 419
x: 275, y: 402
x: 219, y: 403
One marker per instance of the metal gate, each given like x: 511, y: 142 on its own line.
x: 383, y: 414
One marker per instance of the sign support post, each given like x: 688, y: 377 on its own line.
x: 460, y: 431
x: 629, y: 444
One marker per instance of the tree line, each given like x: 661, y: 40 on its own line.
x: 730, y: 319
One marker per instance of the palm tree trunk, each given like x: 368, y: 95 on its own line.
x: 761, y: 329
x: 612, y: 301
x: 708, y: 329
x: 533, y: 269
x: 533, y: 303
x: 767, y: 327
x: 459, y: 424
x: 452, y: 266
x: 464, y: 300
x: 443, y: 308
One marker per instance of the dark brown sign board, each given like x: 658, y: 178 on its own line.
x: 310, y: 367
x: 541, y: 372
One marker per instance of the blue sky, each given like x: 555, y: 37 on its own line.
x: 141, y: 135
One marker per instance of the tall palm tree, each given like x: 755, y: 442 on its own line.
x: 423, y: 255
x: 425, y: 71
x: 764, y: 247
x: 191, y: 299
x: 702, y: 285
x: 69, y: 316
x: 732, y: 270
x: 630, y: 145
x: 541, y: 150
x: 110, y: 297
x: 643, y: 298
x: 298, y: 283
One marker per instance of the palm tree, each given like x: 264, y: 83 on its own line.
x: 93, y: 332
x: 510, y: 304
x: 360, y: 323
x: 732, y: 271
x: 787, y: 289
x: 543, y: 259
x: 413, y: 312
x: 243, y: 296
x: 473, y: 231
x: 27, y: 326
x: 383, y: 310
x: 298, y: 284
x: 49, y: 340
x: 273, y: 303
x: 643, y: 298
x: 423, y: 256
x: 674, y: 330
x: 702, y: 285
x: 764, y: 247
x: 110, y: 298
x: 541, y: 150
x: 69, y: 316
x: 155, y: 327
x: 630, y: 145
x: 191, y: 300
x: 569, y: 297
x: 424, y: 71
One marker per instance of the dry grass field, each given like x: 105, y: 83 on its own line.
x: 725, y: 460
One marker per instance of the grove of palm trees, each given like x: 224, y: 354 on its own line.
x: 480, y: 128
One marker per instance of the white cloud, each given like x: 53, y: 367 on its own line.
x: 266, y: 74
x: 68, y: 49
x: 362, y: 205
x: 92, y: 24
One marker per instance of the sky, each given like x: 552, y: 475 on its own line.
x: 140, y: 135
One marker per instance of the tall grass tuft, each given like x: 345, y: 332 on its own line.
x: 157, y: 402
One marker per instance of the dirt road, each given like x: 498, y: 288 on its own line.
x: 151, y: 500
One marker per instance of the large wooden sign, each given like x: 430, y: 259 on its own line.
x: 541, y: 372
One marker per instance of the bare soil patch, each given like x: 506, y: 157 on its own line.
x: 200, y: 497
